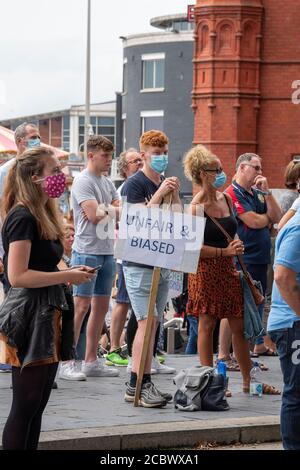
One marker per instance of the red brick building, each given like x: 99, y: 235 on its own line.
x: 247, y: 58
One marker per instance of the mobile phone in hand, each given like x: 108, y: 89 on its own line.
x: 95, y: 269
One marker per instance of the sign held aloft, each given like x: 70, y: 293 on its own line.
x: 160, y: 238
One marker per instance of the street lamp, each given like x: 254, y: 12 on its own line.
x: 88, y: 80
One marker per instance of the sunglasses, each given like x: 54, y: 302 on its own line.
x: 256, y: 167
x: 215, y: 170
x: 137, y: 160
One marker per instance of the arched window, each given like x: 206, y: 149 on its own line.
x: 204, y: 41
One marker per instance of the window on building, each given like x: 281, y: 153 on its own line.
x: 101, y: 125
x: 152, y: 120
x: 153, y: 71
x: 66, y: 133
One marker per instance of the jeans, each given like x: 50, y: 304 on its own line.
x: 259, y: 273
x: 288, y: 346
x: 191, y: 347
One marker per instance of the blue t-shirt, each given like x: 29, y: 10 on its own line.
x: 287, y: 253
x: 257, y: 241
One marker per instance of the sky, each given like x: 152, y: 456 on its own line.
x: 43, y: 50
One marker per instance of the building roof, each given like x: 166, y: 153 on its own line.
x: 52, y: 114
x: 166, y: 21
x: 156, y: 38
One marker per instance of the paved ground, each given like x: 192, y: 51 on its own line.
x: 99, y: 402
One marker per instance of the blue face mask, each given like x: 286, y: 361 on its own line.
x: 32, y: 143
x: 159, y: 163
x: 220, y: 180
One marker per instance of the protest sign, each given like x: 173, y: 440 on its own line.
x: 156, y: 237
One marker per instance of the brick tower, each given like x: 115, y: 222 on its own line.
x: 247, y: 57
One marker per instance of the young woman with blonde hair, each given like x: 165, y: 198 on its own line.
x: 36, y: 317
x: 215, y: 291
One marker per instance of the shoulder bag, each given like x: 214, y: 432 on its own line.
x: 257, y: 295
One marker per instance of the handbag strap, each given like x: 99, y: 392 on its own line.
x: 230, y: 239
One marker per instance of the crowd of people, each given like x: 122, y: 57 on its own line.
x: 58, y: 276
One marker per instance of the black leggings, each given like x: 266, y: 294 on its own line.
x: 131, y: 331
x: 31, y: 392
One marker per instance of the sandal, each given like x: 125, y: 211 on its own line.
x: 261, y: 365
x: 270, y: 390
x: 267, y: 390
x: 269, y: 353
x: 231, y: 364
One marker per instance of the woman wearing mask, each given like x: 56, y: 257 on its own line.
x: 36, y: 318
x: 215, y: 291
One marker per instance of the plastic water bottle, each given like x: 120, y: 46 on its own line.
x: 222, y: 368
x: 256, y: 385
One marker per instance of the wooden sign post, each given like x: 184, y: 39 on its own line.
x: 150, y: 318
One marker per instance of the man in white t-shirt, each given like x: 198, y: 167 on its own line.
x: 129, y: 163
x: 94, y: 198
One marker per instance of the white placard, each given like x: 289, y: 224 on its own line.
x: 160, y: 238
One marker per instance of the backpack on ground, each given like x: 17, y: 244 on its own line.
x: 200, y: 388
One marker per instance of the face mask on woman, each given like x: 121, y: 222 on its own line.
x: 220, y: 180
x: 54, y: 185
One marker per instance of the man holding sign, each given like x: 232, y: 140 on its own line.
x: 148, y: 187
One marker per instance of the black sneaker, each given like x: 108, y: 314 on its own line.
x: 167, y: 396
x: 149, y: 398
x: 129, y: 394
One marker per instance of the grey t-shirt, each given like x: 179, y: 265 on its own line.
x: 286, y: 200
x: 86, y: 187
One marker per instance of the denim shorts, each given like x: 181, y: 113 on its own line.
x: 101, y: 285
x: 122, y: 295
x: 138, y: 283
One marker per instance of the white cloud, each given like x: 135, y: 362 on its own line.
x: 43, y: 44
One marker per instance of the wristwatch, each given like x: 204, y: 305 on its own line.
x: 267, y: 193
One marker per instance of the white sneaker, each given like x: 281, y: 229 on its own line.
x: 153, y: 371
x: 67, y: 371
x: 129, y: 364
x: 158, y: 368
x: 97, y: 369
